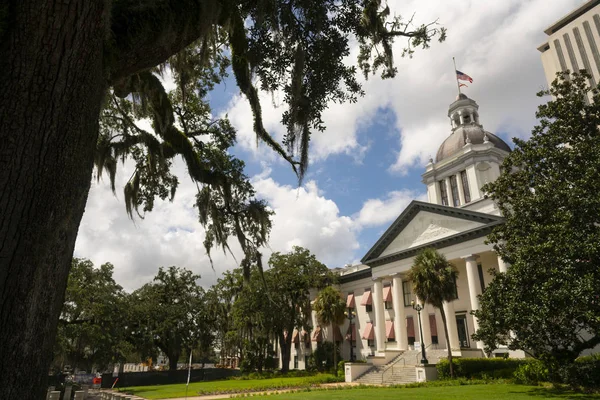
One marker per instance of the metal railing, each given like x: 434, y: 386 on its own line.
x: 391, y: 367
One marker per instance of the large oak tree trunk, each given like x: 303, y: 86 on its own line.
x: 50, y: 97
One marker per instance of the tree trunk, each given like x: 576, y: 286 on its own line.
x: 334, y: 350
x: 50, y: 97
x: 447, y: 340
x: 173, y: 360
x: 286, y: 350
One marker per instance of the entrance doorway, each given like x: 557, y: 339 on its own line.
x: 463, y: 332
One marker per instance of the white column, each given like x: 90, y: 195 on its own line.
x: 502, y: 265
x: 449, y: 192
x: 451, y: 321
x: 399, y: 314
x: 460, y: 116
x: 379, y: 315
x: 424, y: 321
x: 461, y: 191
x: 474, y: 289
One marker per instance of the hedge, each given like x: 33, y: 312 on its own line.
x: 584, y: 373
x: 476, y: 368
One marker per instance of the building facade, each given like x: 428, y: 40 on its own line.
x: 573, y: 43
x: 455, y: 221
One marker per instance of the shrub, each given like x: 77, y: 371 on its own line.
x: 583, y: 374
x: 476, y: 368
x: 531, y: 373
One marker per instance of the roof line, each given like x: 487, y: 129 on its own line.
x: 408, y: 213
x: 437, y: 244
x: 576, y: 13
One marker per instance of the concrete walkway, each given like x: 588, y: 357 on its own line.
x: 230, y: 395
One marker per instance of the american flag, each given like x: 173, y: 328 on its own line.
x: 463, y: 77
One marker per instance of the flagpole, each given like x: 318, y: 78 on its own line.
x: 456, y: 76
x: 189, y: 372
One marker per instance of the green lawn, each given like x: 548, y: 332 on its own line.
x: 475, y: 392
x: 227, y: 386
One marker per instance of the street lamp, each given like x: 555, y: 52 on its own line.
x: 418, y: 308
x: 350, y: 314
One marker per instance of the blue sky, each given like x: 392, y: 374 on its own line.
x: 367, y: 166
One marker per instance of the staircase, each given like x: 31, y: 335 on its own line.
x: 401, y: 369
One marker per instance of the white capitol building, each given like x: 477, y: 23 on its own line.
x: 455, y: 221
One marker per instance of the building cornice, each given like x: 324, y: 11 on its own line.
x: 573, y: 15
x: 373, y: 255
x: 437, y: 244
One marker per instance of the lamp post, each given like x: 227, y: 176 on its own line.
x: 418, y: 308
x: 350, y: 314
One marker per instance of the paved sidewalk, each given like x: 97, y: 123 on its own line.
x: 230, y: 395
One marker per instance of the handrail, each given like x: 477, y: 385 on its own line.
x: 391, y: 366
x: 421, y: 352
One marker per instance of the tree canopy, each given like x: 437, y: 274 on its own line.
x: 297, y: 48
x: 547, y: 302
x: 170, y: 314
x: 329, y: 306
x: 91, y: 329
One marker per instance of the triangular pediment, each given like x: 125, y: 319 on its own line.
x: 422, y: 223
x: 428, y: 227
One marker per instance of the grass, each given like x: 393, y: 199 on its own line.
x: 228, y: 386
x: 469, y: 392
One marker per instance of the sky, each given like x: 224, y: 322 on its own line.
x: 365, y: 168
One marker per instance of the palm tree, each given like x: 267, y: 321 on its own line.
x: 434, y: 281
x: 329, y: 307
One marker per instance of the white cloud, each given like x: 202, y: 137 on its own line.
x: 375, y: 212
x: 493, y: 41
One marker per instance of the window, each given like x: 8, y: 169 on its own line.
x: 295, y: 362
x: 387, y: 297
x: 443, y: 193
x: 297, y: 345
x: 369, y: 308
x: 433, y: 329
x: 561, y: 57
x: 465, y: 183
x: 480, y: 271
x: 455, y: 289
x: 454, y: 188
x: 371, y: 342
x: 407, y: 289
x: 410, y: 330
x: 305, y: 362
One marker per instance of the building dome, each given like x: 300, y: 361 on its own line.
x: 464, y: 117
x: 462, y: 135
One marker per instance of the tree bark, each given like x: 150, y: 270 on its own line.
x: 50, y: 97
x: 443, y: 314
x: 173, y: 359
x: 286, y: 351
x: 334, y: 349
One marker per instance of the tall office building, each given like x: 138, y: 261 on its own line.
x: 573, y: 43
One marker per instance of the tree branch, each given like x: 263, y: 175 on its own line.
x: 145, y: 34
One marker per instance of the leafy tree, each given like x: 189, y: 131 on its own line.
x: 169, y: 312
x: 547, y: 302
x: 91, y: 329
x: 329, y: 307
x: 220, y: 300
x: 289, y: 280
x: 434, y: 282
x: 321, y: 359
x: 57, y: 79
x: 255, y: 319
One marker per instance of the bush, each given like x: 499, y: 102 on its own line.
x: 583, y: 374
x: 531, y: 373
x: 477, y: 368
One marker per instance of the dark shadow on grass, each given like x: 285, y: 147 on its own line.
x: 554, y: 393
